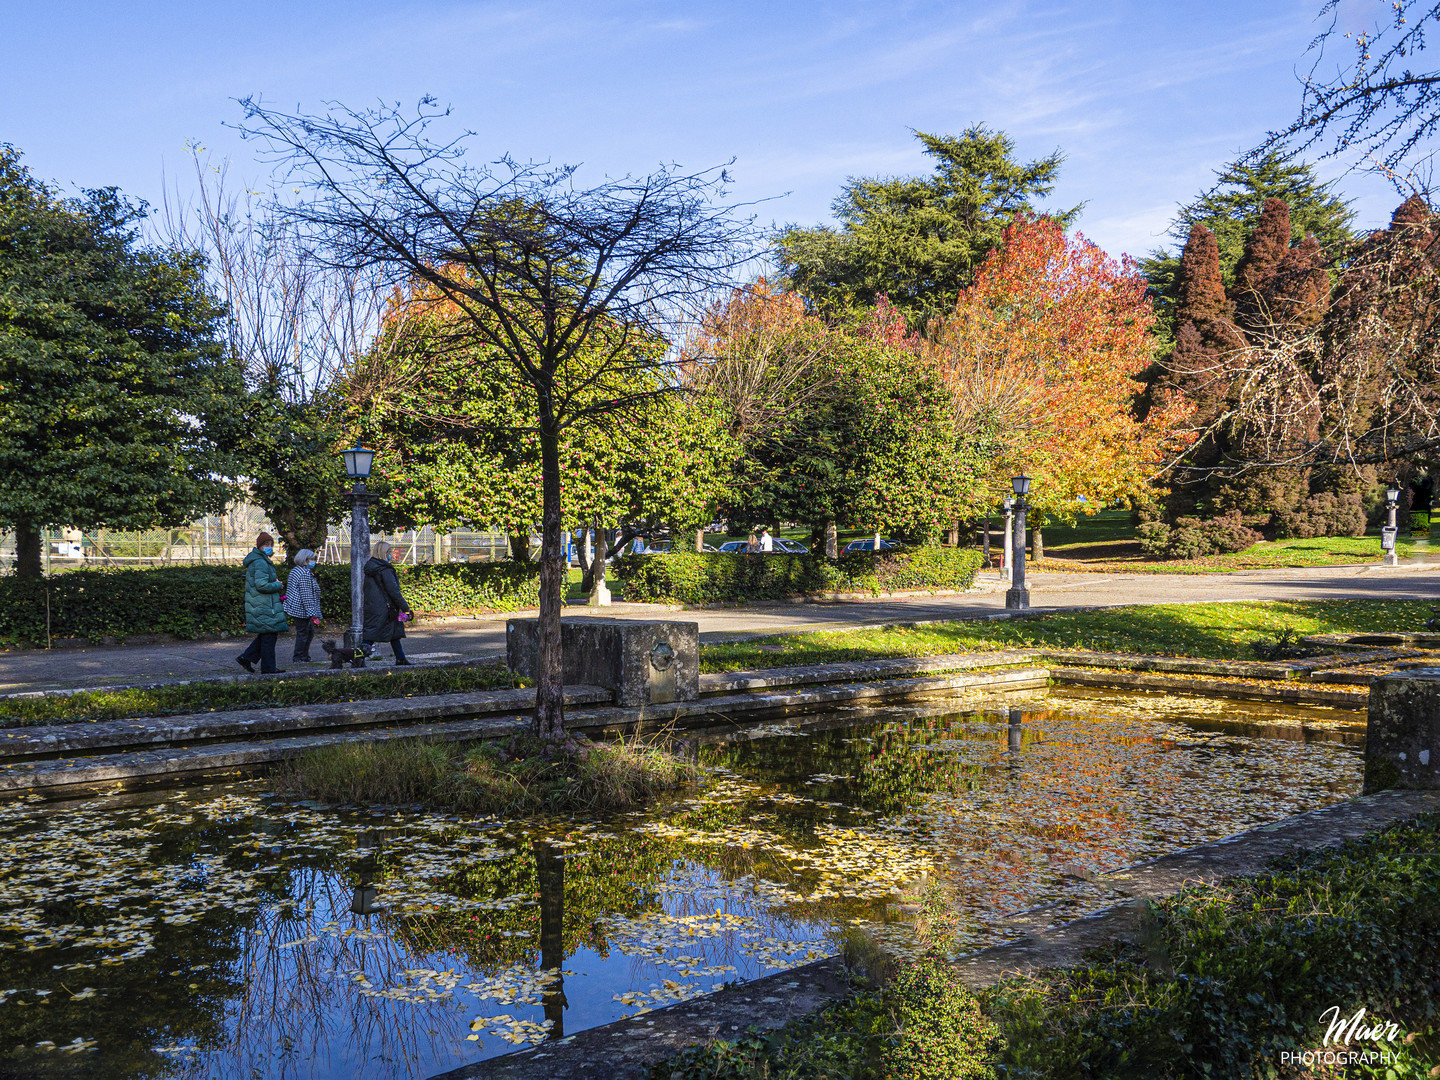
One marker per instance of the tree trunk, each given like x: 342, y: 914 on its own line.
x: 699, y: 539
x: 27, y: 552
x: 954, y: 538
x: 297, y: 531
x: 550, y: 680
x: 602, y: 552
x: 520, y: 545
x: 832, y: 541
x: 1037, y: 545
x: 584, y: 555
x: 985, y: 544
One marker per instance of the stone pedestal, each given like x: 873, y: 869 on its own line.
x: 1402, y: 737
x: 643, y: 662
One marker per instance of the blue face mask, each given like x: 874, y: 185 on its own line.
x: 268, y: 550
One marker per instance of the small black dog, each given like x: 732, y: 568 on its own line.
x: 339, y: 657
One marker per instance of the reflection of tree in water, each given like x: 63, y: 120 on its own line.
x: 550, y: 874
x: 886, y: 767
x: 223, y: 991
x: 601, y: 876
x: 137, y: 1006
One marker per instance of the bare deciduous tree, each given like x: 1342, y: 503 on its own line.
x: 295, y: 324
x: 1378, y: 103
x: 540, y: 269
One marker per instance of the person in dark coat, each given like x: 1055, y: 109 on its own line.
x: 264, y: 614
x: 386, y: 611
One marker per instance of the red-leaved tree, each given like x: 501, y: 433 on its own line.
x: 1043, y: 352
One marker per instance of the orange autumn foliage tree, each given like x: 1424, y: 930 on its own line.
x: 1042, y: 356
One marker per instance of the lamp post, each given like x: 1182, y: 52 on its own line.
x: 1007, y: 568
x: 357, y: 467
x: 1389, y: 532
x: 1018, y: 596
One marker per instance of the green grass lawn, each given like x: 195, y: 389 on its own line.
x: 1105, y: 527
x: 92, y: 705
x: 1107, y: 539
x: 1266, y: 555
x: 1218, y: 631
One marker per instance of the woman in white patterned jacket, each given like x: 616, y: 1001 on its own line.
x: 302, y: 603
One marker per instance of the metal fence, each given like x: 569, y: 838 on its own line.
x: 225, y: 539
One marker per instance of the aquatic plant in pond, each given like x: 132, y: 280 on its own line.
x: 229, y: 933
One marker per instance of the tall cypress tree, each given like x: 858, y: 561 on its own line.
x: 1231, y: 209
x: 1268, y: 244
x: 1199, y: 288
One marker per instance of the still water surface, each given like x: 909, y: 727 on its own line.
x: 221, y: 932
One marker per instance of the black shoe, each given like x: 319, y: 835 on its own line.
x: 402, y: 663
x: 246, y: 664
x: 301, y: 660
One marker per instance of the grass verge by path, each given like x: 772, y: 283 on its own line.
x: 1212, y: 631
x: 92, y: 705
x: 516, y: 776
x: 1228, y: 979
x: 1124, y: 555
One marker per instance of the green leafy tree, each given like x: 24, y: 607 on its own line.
x: 458, y: 443
x: 290, y: 454
x: 874, y: 445
x: 117, y: 401
x: 918, y: 240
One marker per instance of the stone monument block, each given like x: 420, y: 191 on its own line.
x: 643, y: 662
x: 1402, y: 735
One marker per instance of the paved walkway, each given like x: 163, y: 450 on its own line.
x: 23, y: 670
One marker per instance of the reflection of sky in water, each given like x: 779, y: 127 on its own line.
x: 209, y: 933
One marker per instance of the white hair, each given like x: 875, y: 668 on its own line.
x: 304, y: 557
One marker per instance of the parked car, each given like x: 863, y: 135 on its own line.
x: 659, y: 547
x: 782, y: 547
x: 869, y: 545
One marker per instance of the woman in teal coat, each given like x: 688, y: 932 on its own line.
x: 264, y: 611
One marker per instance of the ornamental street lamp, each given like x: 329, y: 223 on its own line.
x: 1018, y: 596
x: 1389, y: 532
x: 1007, y: 562
x: 357, y: 467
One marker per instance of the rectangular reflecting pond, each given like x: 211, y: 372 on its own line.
x: 222, y: 932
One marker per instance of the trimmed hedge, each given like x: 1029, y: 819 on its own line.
x: 443, y: 588
x: 694, y: 578
x: 187, y: 601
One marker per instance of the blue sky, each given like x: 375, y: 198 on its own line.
x: 1146, y: 99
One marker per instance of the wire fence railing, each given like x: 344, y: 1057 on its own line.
x: 225, y: 539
